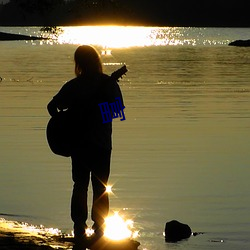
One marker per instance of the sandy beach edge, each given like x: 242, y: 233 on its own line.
x: 17, y: 235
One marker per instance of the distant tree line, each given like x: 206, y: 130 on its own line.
x: 61, y: 12
x: 126, y: 12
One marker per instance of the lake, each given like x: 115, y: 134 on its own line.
x: 182, y: 153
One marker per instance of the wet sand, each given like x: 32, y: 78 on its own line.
x: 15, y: 235
x: 8, y: 241
x: 12, y: 240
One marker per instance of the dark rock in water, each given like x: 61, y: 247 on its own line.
x: 15, y: 37
x: 240, y: 43
x: 197, y: 233
x: 176, y: 231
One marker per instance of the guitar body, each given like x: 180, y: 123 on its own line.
x: 59, y: 133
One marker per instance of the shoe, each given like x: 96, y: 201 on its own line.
x: 98, y: 229
x: 98, y: 234
x: 78, y: 247
x: 81, y: 242
x: 80, y: 237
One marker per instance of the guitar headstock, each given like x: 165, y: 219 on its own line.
x: 119, y: 73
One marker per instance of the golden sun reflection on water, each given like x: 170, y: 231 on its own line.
x: 119, y: 229
x: 107, y: 36
x: 128, y: 36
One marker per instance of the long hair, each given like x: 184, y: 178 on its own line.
x: 87, y: 60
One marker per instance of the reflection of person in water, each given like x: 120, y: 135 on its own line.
x: 91, y: 149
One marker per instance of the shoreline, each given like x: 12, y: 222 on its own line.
x: 15, y: 235
x: 18, y: 235
x: 17, y: 37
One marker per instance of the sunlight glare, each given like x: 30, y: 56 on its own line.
x: 28, y: 229
x: 89, y: 232
x: 108, y: 189
x: 117, y: 228
x: 106, y: 36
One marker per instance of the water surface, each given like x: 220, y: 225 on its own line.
x: 182, y: 152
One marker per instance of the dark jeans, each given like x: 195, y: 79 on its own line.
x: 94, y: 162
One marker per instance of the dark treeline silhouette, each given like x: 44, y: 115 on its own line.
x: 212, y: 13
x: 61, y: 12
x: 126, y: 12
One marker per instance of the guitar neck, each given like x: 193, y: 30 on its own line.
x: 119, y: 73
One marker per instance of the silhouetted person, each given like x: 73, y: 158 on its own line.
x: 91, y: 147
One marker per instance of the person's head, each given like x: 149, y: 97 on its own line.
x: 87, y: 60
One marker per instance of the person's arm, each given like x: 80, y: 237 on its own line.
x: 61, y: 100
x: 52, y: 108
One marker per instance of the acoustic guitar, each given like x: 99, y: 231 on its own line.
x: 59, y: 128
